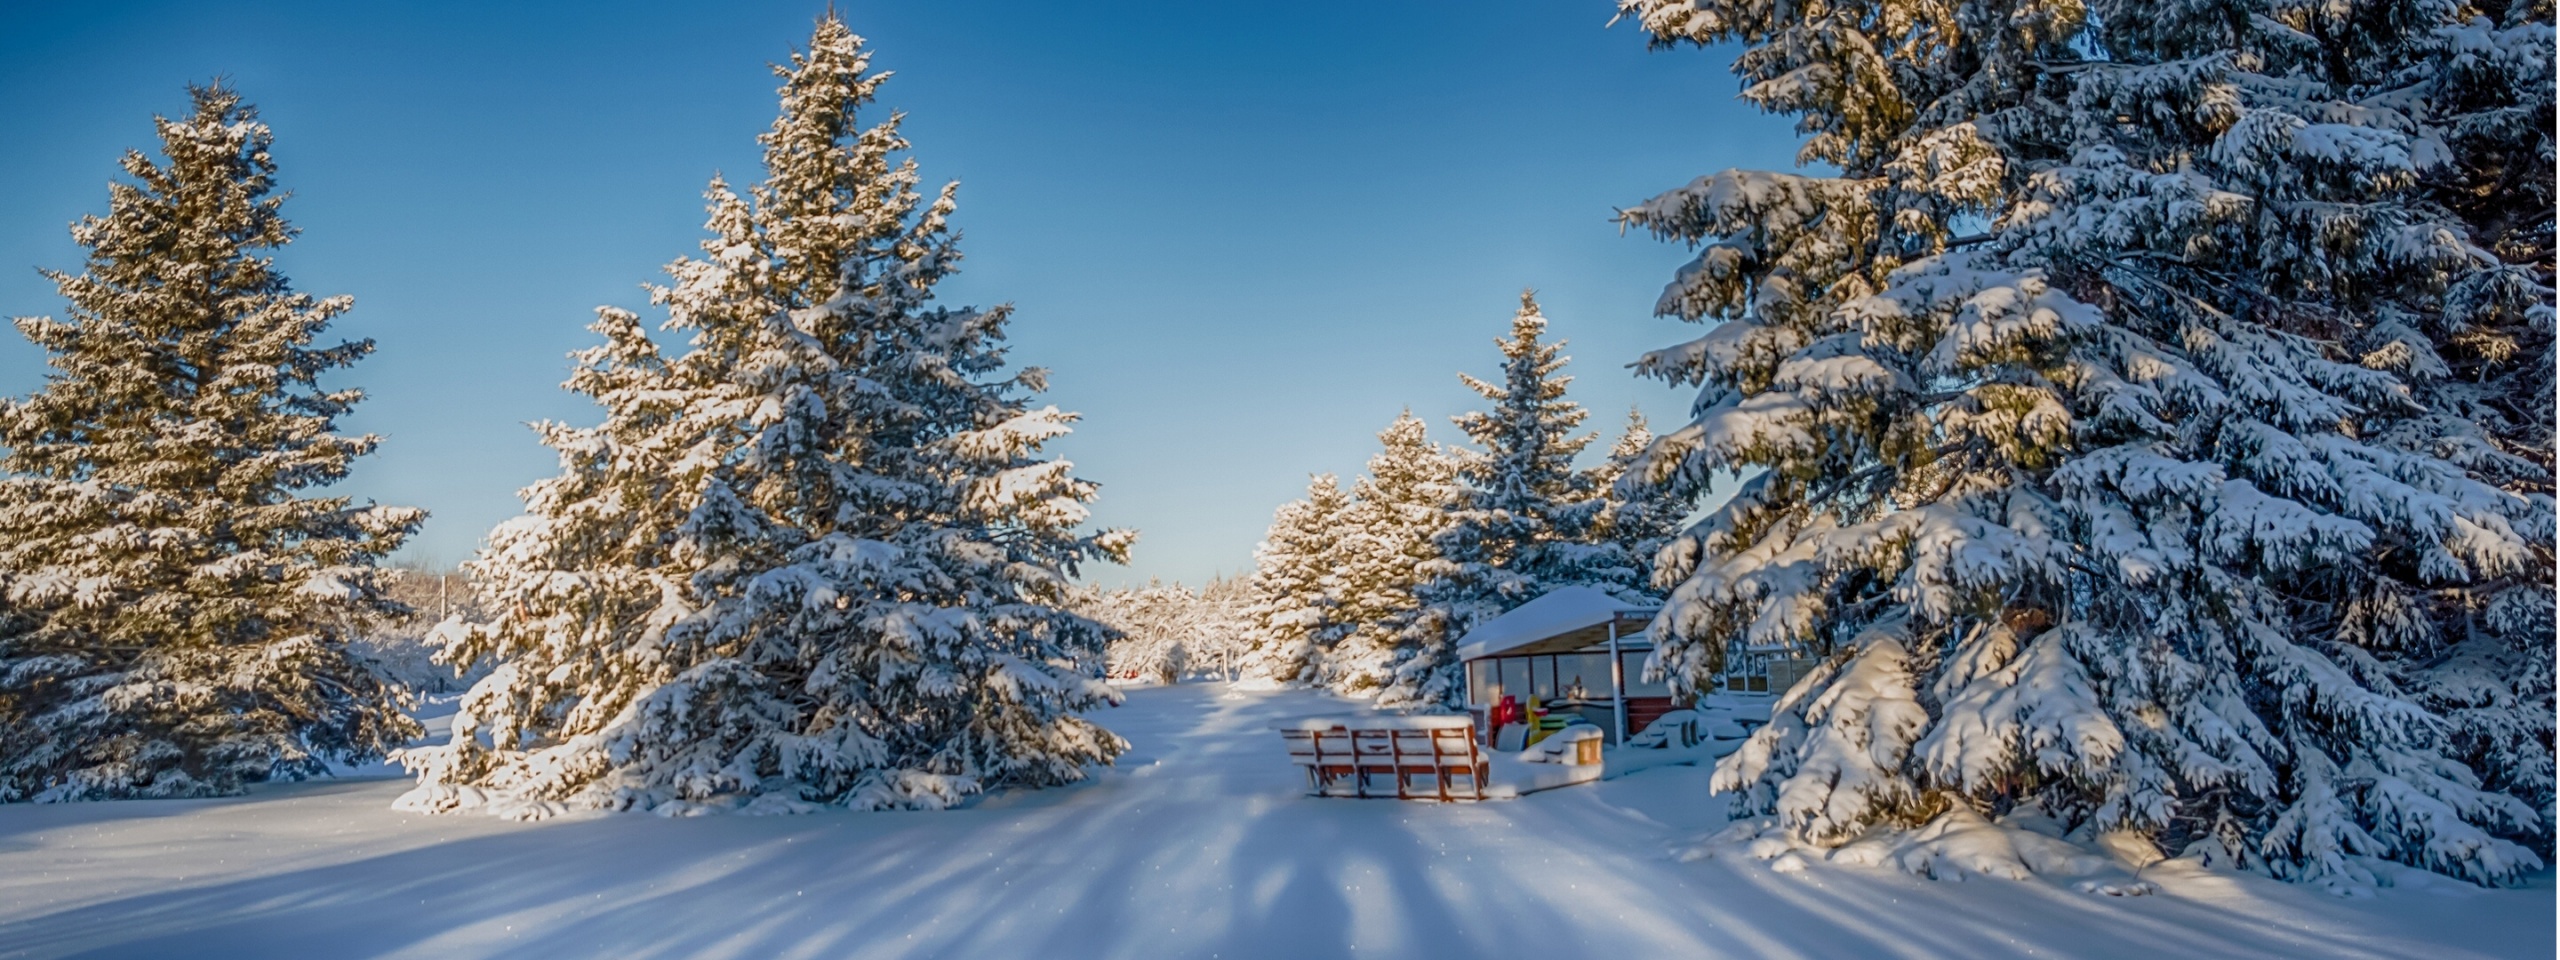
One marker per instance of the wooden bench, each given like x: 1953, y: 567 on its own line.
x: 1409, y: 758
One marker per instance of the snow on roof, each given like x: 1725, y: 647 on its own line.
x: 1560, y: 611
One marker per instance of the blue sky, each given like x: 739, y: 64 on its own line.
x: 1242, y: 236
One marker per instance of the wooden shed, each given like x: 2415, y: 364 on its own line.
x: 1575, y: 649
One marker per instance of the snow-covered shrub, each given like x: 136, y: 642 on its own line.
x: 1225, y: 637
x: 1165, y: 633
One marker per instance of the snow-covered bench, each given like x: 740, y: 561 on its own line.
x: 1566, y: 757
x: 1413, y: 758
x: 1679, y: 728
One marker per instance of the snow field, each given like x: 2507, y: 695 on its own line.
x: 1199, y: 844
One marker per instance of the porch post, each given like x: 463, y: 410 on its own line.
x: 1617, y: 681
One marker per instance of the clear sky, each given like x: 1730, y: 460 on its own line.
x: 1242, y: 236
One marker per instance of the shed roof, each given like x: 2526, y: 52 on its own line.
x: 1567, y: 618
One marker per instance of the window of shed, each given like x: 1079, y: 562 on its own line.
x: 1484, y: 680
x: 1637, y: 685
x: 1585, y: 672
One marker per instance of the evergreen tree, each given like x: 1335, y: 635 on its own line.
x: 1397, y: 510
x: 1638, y: 518
x: 814, y: 559
x: 2073, y: 400
x: 1297, y: 586
x: 179, y: 612
x: 1524, y: 521
x: 2480, y: 654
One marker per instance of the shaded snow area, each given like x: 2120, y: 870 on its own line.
x: 1200, y: 844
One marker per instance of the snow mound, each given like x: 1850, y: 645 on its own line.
x: 463, y: 798
x: 1957, y: 844
x: 1962, y: 842
x: 1678, y: 728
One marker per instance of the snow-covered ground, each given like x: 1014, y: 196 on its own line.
x: 1199, y: 844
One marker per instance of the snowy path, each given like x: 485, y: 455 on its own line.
x: 1198, y: 845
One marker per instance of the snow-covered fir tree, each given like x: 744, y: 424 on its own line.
x: 1397, y: 511
x: 816, y: 557
x: 2089, y: 405
x: 1638, y: 519
x: 1297, y: 586
x: 178, y: 610
x: 1524, y: 520
x: 2480, y: 654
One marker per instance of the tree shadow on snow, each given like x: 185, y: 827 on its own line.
x: 1215, y: 852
